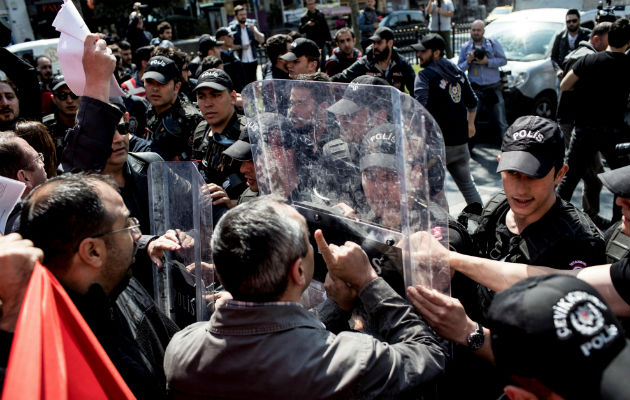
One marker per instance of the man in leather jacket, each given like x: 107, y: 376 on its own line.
x: 382, y: 60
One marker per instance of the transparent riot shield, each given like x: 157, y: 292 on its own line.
x: 184, y: 285
x: 363, y: 163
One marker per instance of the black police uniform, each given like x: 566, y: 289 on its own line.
x: 57, y: 131
x: 171, y: 132
x: 216, y: 167
x: 563, y: 238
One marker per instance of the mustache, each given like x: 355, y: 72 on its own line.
x: 5, y: 108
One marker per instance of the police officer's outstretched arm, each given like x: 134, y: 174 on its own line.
x: 89, y: 142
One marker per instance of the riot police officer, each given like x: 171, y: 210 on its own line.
x: 171, y: 121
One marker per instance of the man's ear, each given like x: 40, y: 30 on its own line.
x: 178, y: 86
x: 296, y: 273
x: 93, y: 252
x: 517, y: 393
x: 558, y: 178
x: 22, y: 176
x: 233, y: 95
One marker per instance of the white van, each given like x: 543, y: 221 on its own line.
x: 36, y: 48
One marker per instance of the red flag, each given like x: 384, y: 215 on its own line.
x: 54, y: 354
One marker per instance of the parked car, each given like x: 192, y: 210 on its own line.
x: 406, y: 24
x: 498, y: 12
x: 527, y: 38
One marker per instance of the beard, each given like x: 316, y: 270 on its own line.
x: 573, y: 28
x: 382, y: 55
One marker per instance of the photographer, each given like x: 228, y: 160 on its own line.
x: 481, y: 58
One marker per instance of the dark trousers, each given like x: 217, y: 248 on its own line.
x: 585, y: 143
x: 250, y: 70
x: 592, y: 184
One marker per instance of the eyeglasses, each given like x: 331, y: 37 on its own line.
x: 64, y: 95
x: 132, y: 224
x: 572, y: 21
x: 38, y: 159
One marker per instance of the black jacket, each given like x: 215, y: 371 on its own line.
x: 337, y: 63
x: 561, y: 45
x: 318, y: 33
x: 446, y: 93
x: 400, y: 74
x: 133, y: 333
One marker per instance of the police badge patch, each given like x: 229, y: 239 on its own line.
x: 455, y: 90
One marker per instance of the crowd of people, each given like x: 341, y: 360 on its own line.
x: 537, y: 289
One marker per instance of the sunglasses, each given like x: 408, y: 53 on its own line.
x: 64, y: 95
x: 572, y: 21
x: 123, y: 128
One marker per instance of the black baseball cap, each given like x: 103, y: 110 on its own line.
x: 301, y: 47
x: 431, y: 41
x: 357, y: 96
x: 382, y: 33
x: 161, y: 69
x: 558, y: 330
x: 617, y: 181
x: 378, y: 148
x: 58, y: 82
x: 209, y: 41
x: 216, y: 79
x: 241, y: 150
x: 532, y: 145
x: 224, y: 32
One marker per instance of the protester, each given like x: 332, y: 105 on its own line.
x: 381, y: 60
x: 291, y: 343
x: 345, y: 54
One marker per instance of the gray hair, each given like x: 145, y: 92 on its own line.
x: 253, y: 248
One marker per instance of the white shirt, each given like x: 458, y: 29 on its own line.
x: 247, y: 56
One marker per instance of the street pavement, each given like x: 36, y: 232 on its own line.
x: 483, y: 165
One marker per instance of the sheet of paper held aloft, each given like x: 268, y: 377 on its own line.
x: 70, y: 49
x: 10, y: 193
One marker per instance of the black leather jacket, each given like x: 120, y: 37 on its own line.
x: 561, y: 48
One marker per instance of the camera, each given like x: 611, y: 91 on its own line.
x: 605, y: 13
x: 479, y: 54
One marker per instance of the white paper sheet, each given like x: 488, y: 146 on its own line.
x: 10, y: 193
x: 70, y: 49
